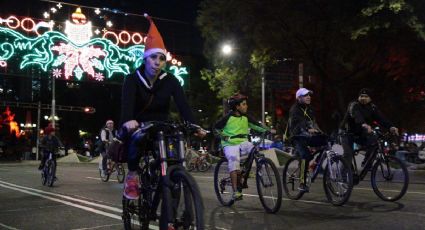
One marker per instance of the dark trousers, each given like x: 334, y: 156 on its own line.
x: 301, y: 144
x: 133, y: 145
x: 105, y: 157
x: 368, y: 141
x: 46, y: 156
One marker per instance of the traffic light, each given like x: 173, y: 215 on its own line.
x: 89, y: 110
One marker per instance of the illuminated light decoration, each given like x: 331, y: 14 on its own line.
x: 136, y: 41
x: 74, y: 57
x: 179, y: 63
x: 8, y: 118
x: 57, y: 73
x: 117, y: 39
x: 59, y: 5
x: 9, y: 20
x: 109, y: 24
x: 38, y: 51
x: 179, y: 72
x: 99, y: 77
x: 97, y: 31
x: 126, y: 34
x: 3, y: 20
x: 46, y: 14
x: 78, y: 33
x: 32, y: 23
x: 3, y: 64
x: 97, y: 11
x: 169, y: 57
x: 53, y: 9
x: 78, y: 17
x: 174, y: 61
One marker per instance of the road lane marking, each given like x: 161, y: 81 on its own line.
x: 64, y: 197
x: 8, y: 227
x: 95, y: 227
x: 95, y: 178
x: 386, y: 190
x: 89, y: 209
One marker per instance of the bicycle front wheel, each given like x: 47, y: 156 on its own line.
x: 104, y: 175
x: 338, y: 181
x: 390, y: 178
x: 292, y: 178
x: 187, y: 205
x: 204, y: 165
x: 222, y: 183
x: 269, y: 186
x: 120, y: 173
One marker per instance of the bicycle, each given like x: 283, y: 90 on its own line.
x: 385, y: 170
x: 337, y: 178
x: 267, y: 177
x: 111, y: 167
x: 198, y: 160
x: 165, y: 183
x: 48, y: 173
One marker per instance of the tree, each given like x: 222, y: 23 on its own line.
x: 344, y: 44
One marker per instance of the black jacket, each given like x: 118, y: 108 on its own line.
x: 358, y: 114
x: 301, y: 119
x: 137, y: 91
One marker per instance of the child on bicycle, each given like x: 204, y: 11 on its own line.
x: 234, y: 128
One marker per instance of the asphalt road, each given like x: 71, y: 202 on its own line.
x: 79, y: 200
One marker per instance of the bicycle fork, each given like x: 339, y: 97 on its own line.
x: 166, y: 193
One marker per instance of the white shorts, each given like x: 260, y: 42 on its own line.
x: 233, y: 154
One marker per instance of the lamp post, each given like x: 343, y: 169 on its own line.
x: 226, y: 50
x: 53, y: 112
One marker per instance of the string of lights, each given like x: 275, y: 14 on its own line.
x: 98, y: 10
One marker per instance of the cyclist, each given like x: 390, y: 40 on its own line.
x: 50, y: 144
x: 107, y: 135
x: 357, y: 125
x: 234, y: 129
x: 146, y: 96
x: 304, y: 131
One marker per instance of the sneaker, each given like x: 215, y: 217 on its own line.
x: 237, y: 196
x: 131, y: 187
x: 303, y: 188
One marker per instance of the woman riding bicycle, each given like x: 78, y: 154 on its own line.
x: 146, y: 96
x: 234, y: 129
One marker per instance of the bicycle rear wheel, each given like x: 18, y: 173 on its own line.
x: 187, y: 205
x: 120, y: 173
x: 338, y: 181
x: 222, y: 183
x: 389, y: 178
x: 292, y: 178
x: 44, y: 175
x: 204, y: 165
x: 269, y: 186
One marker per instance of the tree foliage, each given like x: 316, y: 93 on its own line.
x: 345, y: 45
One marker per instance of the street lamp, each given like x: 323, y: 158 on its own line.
x: 226, y: 49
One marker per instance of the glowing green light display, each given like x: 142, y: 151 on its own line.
x: 54, y: 52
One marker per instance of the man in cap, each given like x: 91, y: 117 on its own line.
x: 304, y: 131
x: 107, y: 135
x: 357, y: 125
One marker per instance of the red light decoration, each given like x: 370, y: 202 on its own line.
x: 31, y: 22
x: 126, y: 34
x: 137, y: 41
x: 16, y: 21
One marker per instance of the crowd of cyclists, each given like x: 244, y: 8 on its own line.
x: 146, y: 97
